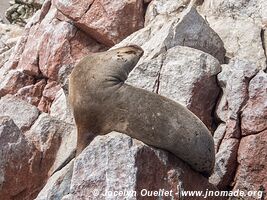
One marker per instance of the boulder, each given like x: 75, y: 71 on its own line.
x: 37, y: 56
x: 254, y: 115
x: 22, y: 113
x: 185, y: 28
x: 11, y: 81
x: 250, y: 9
x: 188, y: 76
x: 242, y: 38
x: 20, y: 174
x: 58, y: 185
x: 56, y: 141
x: 107, y: 21
x: 116, y: 162
x: 225, y: 164
x: 251, y: 171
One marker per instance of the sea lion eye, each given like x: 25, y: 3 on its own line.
x: 130, y: 52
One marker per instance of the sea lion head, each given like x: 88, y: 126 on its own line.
x: 99, y: 71
x: 129, y: 56
x: 121, y: 61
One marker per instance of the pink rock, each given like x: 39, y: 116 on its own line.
x: 29, y: 58
x: 20, y: 172
x: 51, y: 90
x: 12, y: 81
x: 252, y: 155
x: 254, y: 115
x: 82, y: 45
x: 48, y: 45
x: 32, y: 93
x: 52, y: 55
x: 49, y: 94
x: 106, y: 21
x: 51, y: 44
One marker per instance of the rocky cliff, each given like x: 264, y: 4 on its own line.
x: 208, y: 55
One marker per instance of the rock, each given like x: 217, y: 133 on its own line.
x: 163, y: 8
x: 48, y: 95
x: 22, y: 113
x: 38, y: 57
x: 219, y: 135
x: 241, y: 37
x: 234, y: 80
x: 58, y: 185
x: 54, y: 139
x: 244, y: 92
x: 116, y: 162
x: 188, y: 76
x: 27, y: 160
x: 5, y: 55
x: 10, y: 81
x: 20, y: 176
x: 17, y: 51
x: 9, y: 35
x: 254, y: 115
x: 60, y: 108
x: 13, y: 80
x: 251, y: 172
x: 66, y: 150
x: 225, y: 164
x: 252, y: 9
x: 106, y: 21
x: 185, y: 28
x: 32, y: 93
x: 42, y: 57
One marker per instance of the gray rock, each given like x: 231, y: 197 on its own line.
x: 218, y: 135
x: 185, y: 28
x: 57, y: 185
x: 249, y: 9
x: 55, y: 139
x: 234, y: 80
x: 22, y: 113
x: 226, y: 164
x: 116, y: 162
x: 60, y: 108
x: 242, y: 38
x: 188, y: 76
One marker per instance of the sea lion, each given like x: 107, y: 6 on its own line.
x: 102, y: 102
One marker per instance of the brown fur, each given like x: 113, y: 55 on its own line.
x: 102, y: 103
